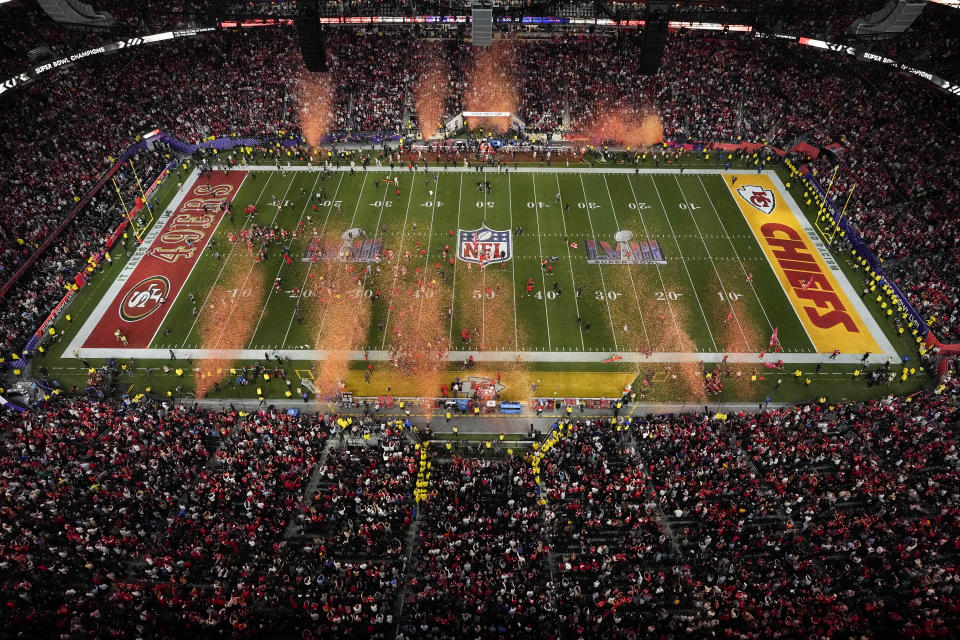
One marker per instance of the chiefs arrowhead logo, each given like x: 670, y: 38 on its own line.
x: 759, y: 197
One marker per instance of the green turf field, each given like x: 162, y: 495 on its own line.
x: 701, y: 300
x: 697, y: 306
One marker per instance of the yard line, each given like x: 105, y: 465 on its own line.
x: 254, y: 263
x: 603, y: 284
x: 684, y: 262
x: 663, y: 283
x: 223, y: 266
x: 310, y: 266
x: 576, y: 302
x: 453, y: 288
x: 403, y: 232
x: 340, y: 264
x: 735, y: 252
x: 426, y: 257
x: 483, y: 284
x: 513, y: 270
x: 543, y: 277
x: 376, y: 233
x: 629, y: 270
x: 733, y: 311
x: 282, y: 263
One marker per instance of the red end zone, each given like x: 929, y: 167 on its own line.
x: 144, y: 300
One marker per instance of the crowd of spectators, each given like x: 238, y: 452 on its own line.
x: 900, y: 150
x: 155, y: 520
x: 479, y: 568
x: 810, y: 521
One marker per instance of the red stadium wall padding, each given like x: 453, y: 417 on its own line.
x: 948, y: 352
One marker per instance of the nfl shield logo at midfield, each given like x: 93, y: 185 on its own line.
x: 484, y: 246
x: 759, y: 197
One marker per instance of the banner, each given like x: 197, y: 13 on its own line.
x: 862, y: 249
x: 806, y: 149
x: 69, y: 219
x: 57, y: 310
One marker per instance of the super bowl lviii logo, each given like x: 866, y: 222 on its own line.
x: 627, y: 250
x: 484, y: 246
x: 144, y: 298
x: 760, y: 198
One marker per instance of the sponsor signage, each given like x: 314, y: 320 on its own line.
x: 23, y: 78
x: 486, y: 114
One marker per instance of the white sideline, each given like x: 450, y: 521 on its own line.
x: 490, y: 356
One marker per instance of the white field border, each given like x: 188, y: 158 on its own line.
x: 868, y: 320
x: 141, y: 252
x: 495, y: 356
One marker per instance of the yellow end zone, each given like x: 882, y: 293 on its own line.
x: 830, y: 319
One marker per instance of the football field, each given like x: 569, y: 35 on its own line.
x: 549, y: 264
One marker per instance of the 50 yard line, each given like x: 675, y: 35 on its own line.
x: 513, y: 271
x: 296, y: 309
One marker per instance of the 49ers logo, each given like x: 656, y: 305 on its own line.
x: 144, y: 298
x: 759, y: 198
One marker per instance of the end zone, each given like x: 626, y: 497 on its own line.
x: 827, y: 305
x: 138, y: 300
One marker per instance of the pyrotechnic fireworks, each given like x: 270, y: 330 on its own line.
x: 491, y: 85
x: 617, y: 125
x: 340, y: 320
x: 415, y: 329
x: 316, y: 106
x: 431, y: 93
